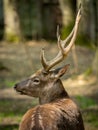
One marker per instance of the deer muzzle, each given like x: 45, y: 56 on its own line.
x: 22, y: 86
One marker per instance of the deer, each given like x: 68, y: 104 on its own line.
x: 56, y: 110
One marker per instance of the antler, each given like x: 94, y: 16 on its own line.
x: 61, y: 44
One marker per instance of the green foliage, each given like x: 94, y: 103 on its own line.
x: 12, y: 37
x: 9, y: 83
x: 13, y: 107
x: 66, y: 30
x: 85, y: 102
x: 9, y: 110
x: 83, y: 41
x: 6, y: 83
x: 88, y: 72
x: 9, y: 127
x: 91, y: 117
x: 88, y: 106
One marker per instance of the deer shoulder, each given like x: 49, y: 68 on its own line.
x: 61, y: 115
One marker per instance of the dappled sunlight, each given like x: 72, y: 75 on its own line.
x: 80, y: 80
x: 81, y: 85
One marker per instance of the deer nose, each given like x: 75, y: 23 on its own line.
x: 15, y: 87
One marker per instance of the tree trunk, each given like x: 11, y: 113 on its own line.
x: 11, y: 21
x: 68, y: 8
x: 29, y: 13
x: 89, y: 21
x: 95, y: 61
x: 90, y: 26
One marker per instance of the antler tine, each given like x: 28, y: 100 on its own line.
x: 67, y: 49
x: 61, y: 44
x: 64, y: 42
x: 59, y: 39
x: 43, y: 60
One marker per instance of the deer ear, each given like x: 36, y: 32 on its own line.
x: 60, y: 71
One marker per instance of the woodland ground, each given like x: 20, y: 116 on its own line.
x: 18, y: 61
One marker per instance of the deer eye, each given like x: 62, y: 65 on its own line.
x: 36, y: 80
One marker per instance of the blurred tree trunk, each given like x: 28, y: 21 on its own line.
x: 68, y: 8
x: 51, y: 15
x: 86, y: 20
x: 11, y: 21
x: 89, y: 20
x: 89, y: 28
x: 29, y: 13
x: 95, y: 61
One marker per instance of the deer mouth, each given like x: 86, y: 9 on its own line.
x: 21, y: 92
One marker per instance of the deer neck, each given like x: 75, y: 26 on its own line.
x: 56, y: 92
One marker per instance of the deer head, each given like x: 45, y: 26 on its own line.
x: 46, y: 83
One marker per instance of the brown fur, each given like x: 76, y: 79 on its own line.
x: 60, y: 115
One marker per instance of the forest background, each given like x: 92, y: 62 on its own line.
x: 28, y: 26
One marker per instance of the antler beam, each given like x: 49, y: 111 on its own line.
x: 63, y: 51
